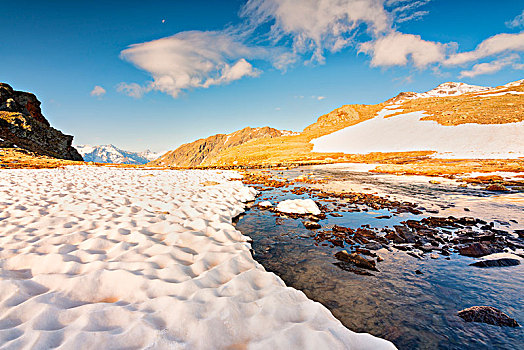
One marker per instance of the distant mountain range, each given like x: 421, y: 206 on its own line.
x: 449, y: 104
x: 112, y: 154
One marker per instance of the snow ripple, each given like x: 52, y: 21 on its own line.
x: 114, y: 258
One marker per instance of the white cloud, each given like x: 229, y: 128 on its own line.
x: 494, y: 45
x: 320, y: 98
x: 133, y: 90
x: 395, y: 49
x: 491, y: 67
x: 291, y: 31
x: 191, y: 59
x: 98, y: 91
x: 516, y: 22
x: 299, y: 28
x: 318, y: 25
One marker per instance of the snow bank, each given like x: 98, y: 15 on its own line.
x: 298, y: 206
x: 96, y: 258
x: 406, y: 133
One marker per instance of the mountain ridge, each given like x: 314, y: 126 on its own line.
x: 197, y: 152
x: 448, y: 104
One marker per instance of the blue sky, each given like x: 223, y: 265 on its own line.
x: 224, y: 65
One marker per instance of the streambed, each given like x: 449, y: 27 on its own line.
x: 413, y: 310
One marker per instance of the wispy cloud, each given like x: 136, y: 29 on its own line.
x: 407, y: 10
x: 492, y: 67
x: 497, y: 44
x: 98, y: 91
x: 133, y: 89
x: 516, y: 22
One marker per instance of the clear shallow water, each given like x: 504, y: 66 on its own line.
x: 413, y: 311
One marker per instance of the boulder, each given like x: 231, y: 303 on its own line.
x: 487, y: 314
x: 497, y: 188
x: 356, y: 259
x: 311, y: 225
x: 477, y: 250
x: 496, y: 262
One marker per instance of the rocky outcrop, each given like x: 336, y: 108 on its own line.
x: 23, y: 125
x: 198, y: 152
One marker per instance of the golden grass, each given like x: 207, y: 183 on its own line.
x: 17, y: 119
x: 436, y: 167
x: 296, y: 148
x: 469, y: 108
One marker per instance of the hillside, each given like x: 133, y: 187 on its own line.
x: 22, y: 125
x: 202, y: 151
x: 449, y: 104
x: 115, y: 155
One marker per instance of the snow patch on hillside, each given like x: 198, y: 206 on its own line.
x: 407, y: 133
x: 451, y: 89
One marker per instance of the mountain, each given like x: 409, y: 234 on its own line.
x: 23, y: 126
x: 443, y: 90
x: 202, y: 151
x: 112, y: 154
x: 452, y: 120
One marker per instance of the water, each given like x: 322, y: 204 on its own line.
x: 411, y: 310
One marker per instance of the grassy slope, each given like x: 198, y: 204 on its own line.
x: 452, y: 110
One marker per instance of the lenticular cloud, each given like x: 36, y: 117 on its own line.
x: 191, y: 59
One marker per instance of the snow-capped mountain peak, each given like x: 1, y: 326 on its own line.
x: 112, y: 154
x: 451, y: 89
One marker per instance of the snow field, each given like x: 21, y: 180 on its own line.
x: 94, y: 257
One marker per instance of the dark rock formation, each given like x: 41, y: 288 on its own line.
x: 496, y: 263
x: 496, y: 188
x: 23, y: 125
x: 357, y: 260
x: 311, y: 225
x: 477, y: 250
x: 21, y: 102
x: 487, y: 314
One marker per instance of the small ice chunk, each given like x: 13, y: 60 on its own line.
x: 265, y: 204
x: 298, y: 206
